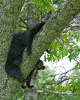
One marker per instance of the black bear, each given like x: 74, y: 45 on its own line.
x: 14, y: 58
x: 20, y: 41
x: 34, y: 30
x: 38, y: 66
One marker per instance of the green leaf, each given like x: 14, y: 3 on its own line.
x: 70, y: 57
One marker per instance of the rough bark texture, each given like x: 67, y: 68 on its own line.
x: 51, y: 30
x: 9, y: 12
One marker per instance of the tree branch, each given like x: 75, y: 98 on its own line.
x: 55, y: 1
x: 46, y: 90
x: 51, y: 31
x: 9, y: 12
x: 25, y: 23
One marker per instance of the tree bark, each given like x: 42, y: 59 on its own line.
x: 9, y: 14
x: 32, y: 94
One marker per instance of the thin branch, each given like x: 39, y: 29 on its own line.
x: 59, y: 74
x: 27, y: 4
x: 46, y: 90
x: 59, y: 82
x: 55, y: 1
x: 25, y: 23
x: 75, y: 25
x: 22, y: 26
x: 68, y: 70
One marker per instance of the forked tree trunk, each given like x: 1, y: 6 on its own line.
x: 9, y: 13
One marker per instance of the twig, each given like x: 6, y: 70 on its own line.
x: 55, y: 1
x: 22, y: 26
x: 25, y: 23
x: 46, y: 90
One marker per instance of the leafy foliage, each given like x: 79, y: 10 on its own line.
x: 44, y: 5
x: 66, y: 45
x: 19, y: 96
x: 38, y: 7
x: 71, y: 86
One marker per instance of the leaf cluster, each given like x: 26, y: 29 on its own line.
x: 66, y: 45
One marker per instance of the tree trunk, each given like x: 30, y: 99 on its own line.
x: 9, y: 12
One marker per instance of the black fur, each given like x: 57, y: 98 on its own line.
x: 34, y: 30
x: 39, y: 66
x: 20, y: 41
x: 15, y: 56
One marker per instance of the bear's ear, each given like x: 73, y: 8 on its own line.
x: 50, y: 12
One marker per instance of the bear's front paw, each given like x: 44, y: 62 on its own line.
x: 23, y: 86
x: 30, y: 86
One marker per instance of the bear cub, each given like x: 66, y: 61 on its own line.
x: 20, y: 41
